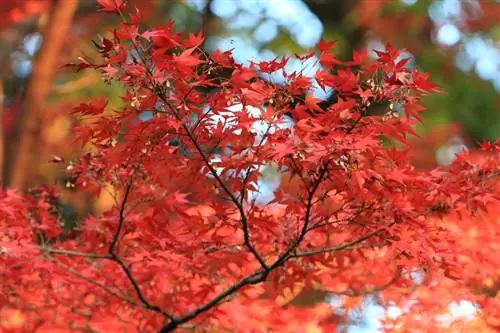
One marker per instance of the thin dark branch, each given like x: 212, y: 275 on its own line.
x: 75, y: 253
x: 121, y: 219
x: 247, y: 175
x: 310, y: 204
x: 353, y: 126
x: 254, y: 278
x: 222, y: 184
x: 283, y: 257
x: 213, y: 172
x: 93, y: 282
x: 258, y: 277
x: 297, y: 170
x: 119, y: 261
x: 199, y: 121
x: 325, y: 222
x: 144, y: 301
x: 343, y: 246
x: 161, y: 94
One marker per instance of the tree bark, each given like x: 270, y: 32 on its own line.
x: 44, y: 68
x: 2, y: 135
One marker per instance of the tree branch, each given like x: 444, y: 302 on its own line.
x: 247, y: 175
x: 282, y: 258
x: 222, y: 184
x: 121, y: 219
x: 119, y: 261
x: 254, y: 278
x: 75, y: 253
x: 113, y: 257
x: 161, y: 94
x: 325, y: 222
x: 343, y: 246
x: 257, y: 277
x: 93, y: 282
x: 2, y: 136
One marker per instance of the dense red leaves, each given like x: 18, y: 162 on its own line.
x: 185, y: 235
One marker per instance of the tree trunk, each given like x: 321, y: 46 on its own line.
x: 2, y: 135
x: 44, y: 68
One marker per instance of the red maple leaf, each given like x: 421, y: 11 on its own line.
x: 312, y: 103
x: 325, y: 46
x: 187, y: 59
x: 112, y: 5
x: 194, y: 40
x: 358, y: 58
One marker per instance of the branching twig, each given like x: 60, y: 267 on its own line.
x: 93, y: 282
x: 161, y: 94
x: 121, y: 220
x: 307, y: 219
x: 222, y: 184
x: 343, y: 246
x: 261, y: 274
x: 75, y: 253
x: 254, y: 278
x: 247, y: 175
x: 119, y: 261
x: 325, y: 222
x: 257, y: 276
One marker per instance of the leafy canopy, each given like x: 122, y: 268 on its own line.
x: 187, y: 245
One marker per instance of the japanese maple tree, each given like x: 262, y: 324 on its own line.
x: 187, y: 246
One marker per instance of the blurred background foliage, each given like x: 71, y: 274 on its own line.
x: 457, y: 41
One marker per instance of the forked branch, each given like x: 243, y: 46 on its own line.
x: 254, y: 278
x: 119, y: 261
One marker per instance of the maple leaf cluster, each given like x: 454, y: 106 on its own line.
x: 187, y: 246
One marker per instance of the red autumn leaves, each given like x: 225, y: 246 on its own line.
x: 186, y: 245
